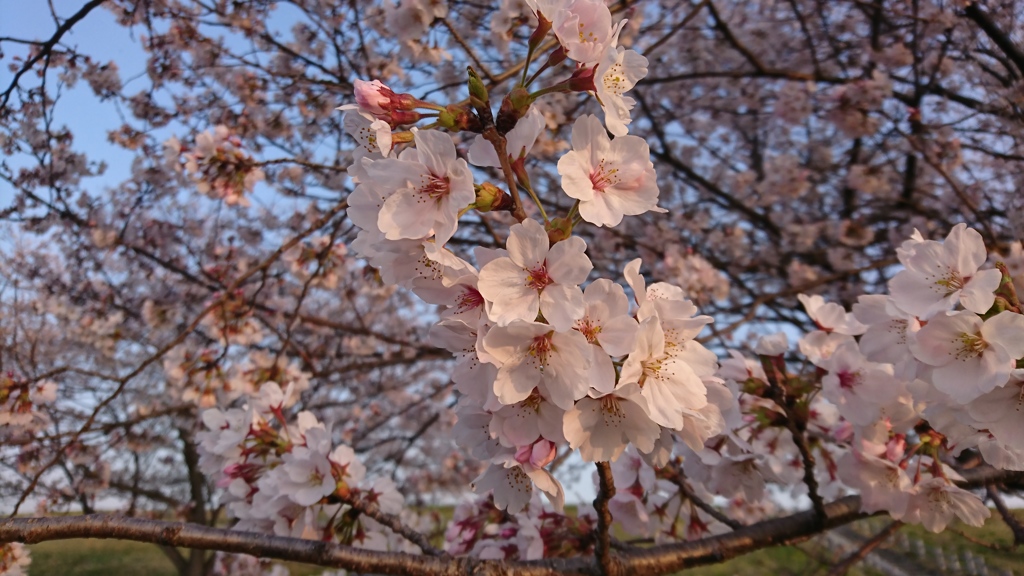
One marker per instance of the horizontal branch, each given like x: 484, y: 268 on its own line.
x: 662, y: 559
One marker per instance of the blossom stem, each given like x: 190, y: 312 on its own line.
x: 536, y: 200
x: 498, y: 141
x: 574, y: 210
x: 560, y: 87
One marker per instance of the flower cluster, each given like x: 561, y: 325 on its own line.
x: 287, y: 477
x: 14, y: 559
x: 542, y: 364
x: 928, y: 370
x: 218, y: 166
x: 20, y: 401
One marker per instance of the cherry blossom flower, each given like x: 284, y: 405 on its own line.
x: 882, y: 483
x: 669, y: 385
x: 429, y: 192
x: 617, y: 73
x: 536, y: 277
x: 610, y: 178
x: 513, y: 482
x: 940, y: 274
x: 584, y: 28
x: 858, y: 387
x: 831, y: 317
x: 971, y: 356
x: 601, y: 427
x: 531, y: 355
x: 935, y: 502
x: 608, y: 327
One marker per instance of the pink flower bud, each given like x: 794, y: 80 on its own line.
x: 373, y: 97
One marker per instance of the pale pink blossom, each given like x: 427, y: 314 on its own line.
x: 610, y: 178
x: 940, y: 274
x: 536, y: 277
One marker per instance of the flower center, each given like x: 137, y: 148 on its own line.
x: 538, y: 278
x: 849, y: 380
x: 614, y: 80
x: 586, y: 36
x: 613, y: 414
x: 588, y: 329
x: 602, y: 177
x: 952, y: 281
x: 470, y: 299
x: 541, y: 347
x: 435, y: 187
x: 971, y: 346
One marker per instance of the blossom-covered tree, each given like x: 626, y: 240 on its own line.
x: 340, y: 263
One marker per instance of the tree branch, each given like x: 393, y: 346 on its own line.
x: 861, y: 553
x: 1011, y: 521
x: 602, y: 544
x: 656, y: 560
x: 1001, y: 39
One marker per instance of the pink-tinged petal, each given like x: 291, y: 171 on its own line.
x: 618, y: 335
x: 966, y: 249
x: 503, y: 284
x: 567, y: 262
x: 516, y: 380
x: 549, y: 485
x: 602, y: 371
x: 390, y: 174
x: 960, y: 379
x: 979, y: 292
x: 996, y: 405
x: 524, y: 135
x: 404, y: 215
x: 938, y: 342
x: 436, y: 150
x: 561, y: 305
x: 575, y: 173
x: 1006, y: 330
x: 590, y: 139
x: 528, y: 244
x: 636, y: 281
x: 919, y: 296
x: 481, y: 153
x: 608, y: 293
x: 600, y: 211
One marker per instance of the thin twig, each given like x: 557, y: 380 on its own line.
x: 861, y: 553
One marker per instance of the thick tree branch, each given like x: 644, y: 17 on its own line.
x: 1001, y: 39
x: 655, y: 560
x: 602, y: 544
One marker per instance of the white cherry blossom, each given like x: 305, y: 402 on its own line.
x: 429, y: 192
x: 971, y: 356
x: 940, y: 274
x: 532, y: 355
x: 610, y: 178
x: 536, y: 277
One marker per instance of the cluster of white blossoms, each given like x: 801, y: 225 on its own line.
x: 550, y: 362
x: 543, y: 365
x: 932, y: 367
x: 287, y: 477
